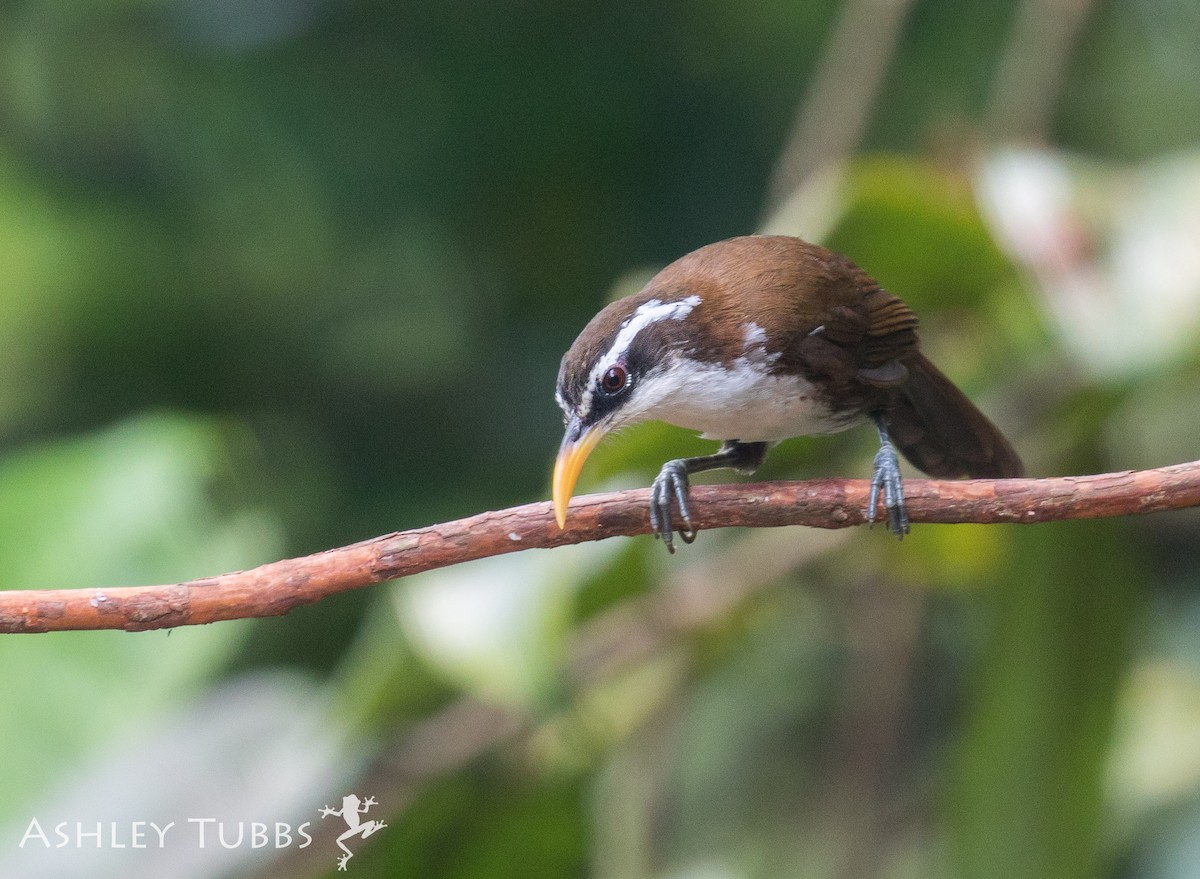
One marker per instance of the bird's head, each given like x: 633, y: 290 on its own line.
x: 618, y: 372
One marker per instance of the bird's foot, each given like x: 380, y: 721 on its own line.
x: 671, y: 483
x: 887, y: 478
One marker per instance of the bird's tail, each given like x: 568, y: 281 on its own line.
x: 942, y: 433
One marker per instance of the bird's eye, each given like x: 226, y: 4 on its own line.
x: 614, y: 380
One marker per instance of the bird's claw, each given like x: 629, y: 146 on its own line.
x: 887, y: 478
x: 671, y: 484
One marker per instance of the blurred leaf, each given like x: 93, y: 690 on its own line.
x: 40, y: 253
x: 1112, y: 250
x: 1168, y: 846
x: 953, y: 556
x: 206, y: 757
x: 633, y: 457
x: 722, y: 762
x: 496, y: 627
x: 1156, y: 759
x: 915, y: 227
x: 1028, y: 787
x: 150, y: 501
x: 486, y: 825
x: 1145, y: 430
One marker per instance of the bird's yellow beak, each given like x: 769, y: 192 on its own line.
x: 575, y: 448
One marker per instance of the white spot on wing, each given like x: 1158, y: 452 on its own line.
x: 754, y: 346
x: 756, y: 336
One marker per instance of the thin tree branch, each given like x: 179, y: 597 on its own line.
x: 690, y: 598
x: 274, y: 589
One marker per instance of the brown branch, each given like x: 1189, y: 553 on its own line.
x: 274, y: 589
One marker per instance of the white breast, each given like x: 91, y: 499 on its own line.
x: 743, y: 402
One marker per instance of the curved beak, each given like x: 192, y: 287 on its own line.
x: 576, y: 446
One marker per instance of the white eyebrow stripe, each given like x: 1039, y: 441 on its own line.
x: 649, y: 312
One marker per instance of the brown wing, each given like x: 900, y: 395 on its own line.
x: 865, y: 337
x: 869, y: 352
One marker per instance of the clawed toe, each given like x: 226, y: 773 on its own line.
x: 887, y: 478
x: 671, y: 484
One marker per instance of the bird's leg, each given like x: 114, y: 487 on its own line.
x: 887, y: 477
x: 672, y: 483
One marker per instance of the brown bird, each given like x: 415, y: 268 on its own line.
x: 756, y: 339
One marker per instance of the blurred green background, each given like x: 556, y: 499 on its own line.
x: 278, y: 275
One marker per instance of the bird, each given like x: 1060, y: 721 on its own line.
x: 754, y: 340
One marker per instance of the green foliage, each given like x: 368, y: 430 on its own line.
x: 155, y: 500
x: 276, y: 277
x: 900, y: 214
x: 1029, y: 782
x: 487, y: 824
